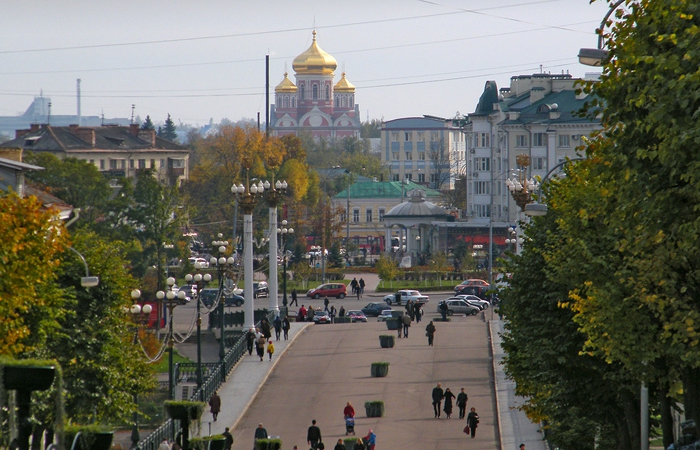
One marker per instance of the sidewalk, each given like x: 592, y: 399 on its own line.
x: 514, y: 426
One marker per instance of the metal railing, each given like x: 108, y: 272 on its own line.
x: 217, y: 373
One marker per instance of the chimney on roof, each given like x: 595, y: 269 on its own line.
x: 34, y: 127
x: 86, y: 134
x: 134, y: 129
x: 148, y: 136
x: 20, y: 133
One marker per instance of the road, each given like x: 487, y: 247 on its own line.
x: 329, y: 365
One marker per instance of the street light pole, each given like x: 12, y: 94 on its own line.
x: 140, y: 315
x: 198, y: 281
x: 171, y: 299
x: 221, y: 263
x: 273, y: 195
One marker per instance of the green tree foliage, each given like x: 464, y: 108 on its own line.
x: 167, y: 132
x: 387, y: 268
x: 32, y: 239
x: 371, y: 129
x: 148, y: 124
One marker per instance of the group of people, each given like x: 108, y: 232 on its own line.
x: 439, y: 395
x: 358, y: 287
x: 315, y: 440
x: 260, y: 338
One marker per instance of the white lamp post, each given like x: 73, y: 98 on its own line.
x: 171, y: 299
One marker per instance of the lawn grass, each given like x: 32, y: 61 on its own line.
x: 425, y: 285
x: 162, y: 365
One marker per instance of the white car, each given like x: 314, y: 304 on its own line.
x: 386, y: 314
x: 404, y: 295
x: 203, y: 262
x: 473, y: 299
x: 459, y: 306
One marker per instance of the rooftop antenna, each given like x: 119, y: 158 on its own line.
x: 540, y: 68
x: 103, y: 118
x: 48, y: 118
x: 132, y: 113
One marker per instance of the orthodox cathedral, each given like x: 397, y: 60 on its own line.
x: 314, y: 103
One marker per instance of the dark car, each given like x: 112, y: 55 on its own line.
x: 233, y: 300
x: 479, y: 291
x: 374, y: 309
x: 209, y: 295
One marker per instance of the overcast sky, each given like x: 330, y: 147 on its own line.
x: 206, y: 59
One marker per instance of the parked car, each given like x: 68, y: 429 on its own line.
x: 338, y: 290
x: 233, y: 300
x: 479, y: 291
x: 322, y: 317
x: 208, y: 297
x: 196, y: 259
x: 190, y: 292
x: 356, y: 316
x: 260, y: 289
x: 457, y: 305
x: 404, y: 295
x: 471, y: 282
x: 373, y: 309
x: 386, y: 314
x: 483, y: 304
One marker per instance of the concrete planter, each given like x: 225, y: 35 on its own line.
x: 380, y: 369
x: 386, y: 341
x: 374, y: 408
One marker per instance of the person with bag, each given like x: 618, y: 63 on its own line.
x: 472, y: 422
x: 260, y: 346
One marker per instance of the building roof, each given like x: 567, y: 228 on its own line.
x: 314, y: 61
x: 416, y: 206
x: 565, y: 104
x: 385, y: 189
x: 413, y: 123
x: 286, y: 85
x: 344, y: 85
x: 47, y: 138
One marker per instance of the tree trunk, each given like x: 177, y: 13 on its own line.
x: 630, y: 405
x: 665, y: 404
x: 624, y: 442
x: 691, y: 393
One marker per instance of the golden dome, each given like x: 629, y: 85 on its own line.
x: 286, y: 85
x: 344, y: 85
x: 314, y: 61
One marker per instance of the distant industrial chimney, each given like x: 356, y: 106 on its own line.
x: 79, y: 114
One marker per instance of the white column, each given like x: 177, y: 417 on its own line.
x: 248, y: 270
x: 273, y: 285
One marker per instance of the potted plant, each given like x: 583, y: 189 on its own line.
x: 350, y: 443
x: 185, y: 412
x: 386, y: 340
x: 392, y: 324
x: 268, y: 444
x: 88, y: 437
x: 214, y: 442
x: 380, y: 369
x: 374, y: 408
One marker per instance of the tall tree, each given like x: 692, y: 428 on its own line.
x: 148, y: 124
x: 440, y: 165
x: 168, y: 130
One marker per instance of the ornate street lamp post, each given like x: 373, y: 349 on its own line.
x: 171, y: 299
x: 284, y: 232
x: 221, y: 264
x: 273, y: 195
x: 139, y: 315
x: 248, y: 197
x: 519, y: 186
x: 198, y: 282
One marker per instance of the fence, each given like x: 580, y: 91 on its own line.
x: 217, y: 373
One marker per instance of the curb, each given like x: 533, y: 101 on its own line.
x: 495, y: 381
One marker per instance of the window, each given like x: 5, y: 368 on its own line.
x: 162, y: 163
x: 112, y: 164
x: 421, y: 178
x: 178, y: 163
x: 286, y: 102
x: 153, y: 164
x: 328, y: 92
x: 394, y: 136
x: 484, y: 139
x: 355, y: 215
x: 564, y: 140
x: 368, y: 216
x: 395, y: 156
x: 409, y: 156
x: 142, y: 163
x: 381, y: 214
x: 395, y: 177
x: 538, y: 139
x: 131, y: 164
x: 409, y: 176
x: 433, y: 178
x: 421, y: 136
x: 407, y: 136
x: 521, y: 140
x: 343, y: 216
x: 303, y: 92
x: 482, y: 164
x: 433, y: 136
x: 482, y: 210
x: 102, y: 164
x: 92, y: 161
x: 482, y: 187
x: 314, y: 92
x: 421, y: 156
x: 539, y: 163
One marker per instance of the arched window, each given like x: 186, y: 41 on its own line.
x: 328, y: 92
x: 279, y: 102
x: 294, y: 102
x: 314, y: 92
x: 303, y: 92
x: 342, y: 102
x: 351, y: 105
x: 337, y: 101
x: 286, y: 102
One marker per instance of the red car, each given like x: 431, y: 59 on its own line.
x: 328, y: 290
x: 471, y: 282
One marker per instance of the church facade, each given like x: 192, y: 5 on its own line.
x: 314, y: 103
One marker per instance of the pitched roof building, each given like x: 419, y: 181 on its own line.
x: 314, y: 103
x: 116, y: 151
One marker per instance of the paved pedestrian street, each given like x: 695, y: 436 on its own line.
x: 329, y: 365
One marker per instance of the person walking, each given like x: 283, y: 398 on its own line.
x: 270, y: 349
x: 348, y: 411
x: 430, y: 332
x: 285, y: 327
x: 449, y: 396
x: 229, y: 439
x: 417, y: 312
x: 521, y: 447
x: 409, y: 309
x: 472, y: 421
x: 310, y: 314
x: 406, y: 319
x: 326, y: 302
x: 301, y: 317
x: 333, y: 313
x: 357, y: 292
x: 443, y: 310
x: 371, y: 439
x: 462, y: 399
x: 313, y: 435
x: 215, y: 405
x: 250, y: 340
x: 353, y: 285
x: 399, y: 327
x: 260, y: 346
x: 361, y: 285
x: 265, y: 328
x: 294, y: 298
x: 277, y: 324
x: 260, y: 433
x: 340, y: 445
x: 438, y: 394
